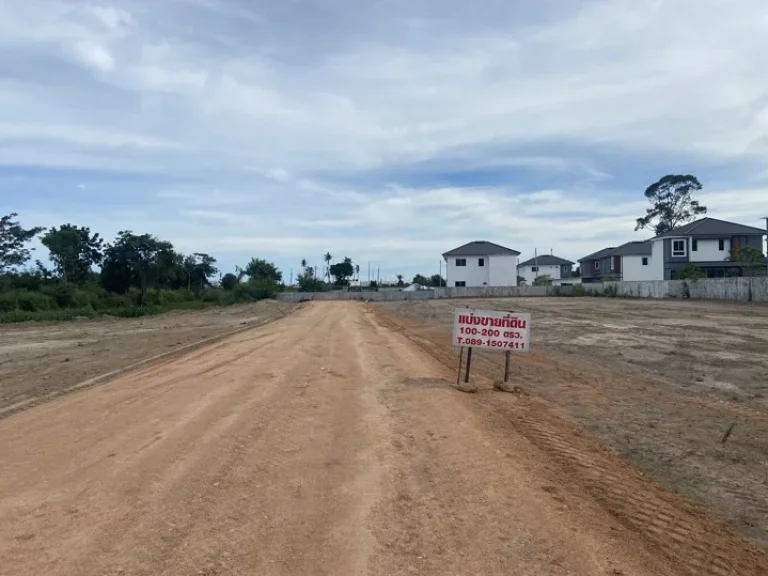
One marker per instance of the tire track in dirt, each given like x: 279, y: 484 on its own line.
x: 682, y: 532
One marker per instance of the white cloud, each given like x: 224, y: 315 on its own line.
x: 270, y: 106
x: 94, y: 56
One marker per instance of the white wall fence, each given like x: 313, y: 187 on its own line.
x: 394, y: 295
x: 743, y: 289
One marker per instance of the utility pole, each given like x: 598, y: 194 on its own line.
x: 766, y: 245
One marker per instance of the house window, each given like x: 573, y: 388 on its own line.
x: 613, y: 264
x: 645, y: 261
x: 721, y: 245
x: 534, y: 268
x: 460, y: 284
x: 461, y: 261
x: 481, y: 261
x: 678, y: 248
x: 695, y: 246
x: 597, y: 265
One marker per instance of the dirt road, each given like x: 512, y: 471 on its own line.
x: 327, y: 443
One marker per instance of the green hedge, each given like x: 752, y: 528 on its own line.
x: 61, y: 302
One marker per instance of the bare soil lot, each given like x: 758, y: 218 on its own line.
x: 328, y: 443
x: 659, y: 382
x: 41, y: 360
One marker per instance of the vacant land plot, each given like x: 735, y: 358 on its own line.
x: 659, y: 382
x: 39, y: 361
x: 328, y: 443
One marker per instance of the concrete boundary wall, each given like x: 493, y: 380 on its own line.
x: 740, y: 289
x: 398, y: 295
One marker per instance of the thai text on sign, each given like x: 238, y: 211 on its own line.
x: 491, y: 329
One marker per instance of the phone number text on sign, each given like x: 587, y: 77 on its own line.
x: 492, y: 330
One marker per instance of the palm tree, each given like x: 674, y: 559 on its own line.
x: 357, y: 271
x: 327, y: 257
x: 303, y: 263
x: 400, y: 280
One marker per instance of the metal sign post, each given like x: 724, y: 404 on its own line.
x: 501, y: 331
x: 469, y: 364
x: 458, y: 374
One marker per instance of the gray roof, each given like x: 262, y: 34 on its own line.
x: 712, y: 227
x: 600, y: 254
x: 481, y: 248
x: 635, y: 248
x: 547, y: 260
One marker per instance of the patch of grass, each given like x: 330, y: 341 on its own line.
x: 68, y: 314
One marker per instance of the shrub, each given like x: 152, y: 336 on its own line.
x: 579, y: 290
x: 610, y: 290
x: 252, y: 291
x: 23, y: 300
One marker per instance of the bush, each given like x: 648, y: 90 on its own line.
x: 578, y: 290
x: 610, y: 290
x: 214, y: 295
x: 252, y: 291
x: 25, y: 301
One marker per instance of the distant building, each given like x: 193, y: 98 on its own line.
x: 706, y: 242
x: 481, y: 263
x: 558, y: 269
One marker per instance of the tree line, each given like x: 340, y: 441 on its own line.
x: 131, y: 275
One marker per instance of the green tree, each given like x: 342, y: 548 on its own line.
x: 13, y: 241
x: 672, y: 203
x: 423, y: 280
x: 74, y: 251
x: 543, y: 280
x: 303, y: 263
x: 229, y: 281
x: 752, y: 260
x: 400, y: 280
x: 327, y: 259
x: 342, y: 271
x: 136, y: 261
x: 436, y: 280
x: 259, y: 269
x: 308, y: 283
x: 690, y: 272
x: 521, y: 281
x: 199, y: 268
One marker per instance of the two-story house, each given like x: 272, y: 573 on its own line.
x: 558, y: 269
x: 707, y: 243
x: 600, y: 266
x: 481, y: 263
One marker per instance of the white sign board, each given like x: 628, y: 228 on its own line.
x: 493, y: 330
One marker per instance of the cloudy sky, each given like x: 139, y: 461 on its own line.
x: 389, y: 131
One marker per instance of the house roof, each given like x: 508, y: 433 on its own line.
x: 600, y: 254
x: 635, y: 248
x: 712, y: 227
x: 481, y: 248
x: 547, y: 260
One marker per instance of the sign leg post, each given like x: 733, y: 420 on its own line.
x: 458, y: 374
x: 507, y: 355
x: 469, y: 363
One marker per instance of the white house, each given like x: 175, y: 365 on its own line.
x: 558, y: 269
x: 481, y: 263
x: 711, y: 244
x: 636, y: 261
